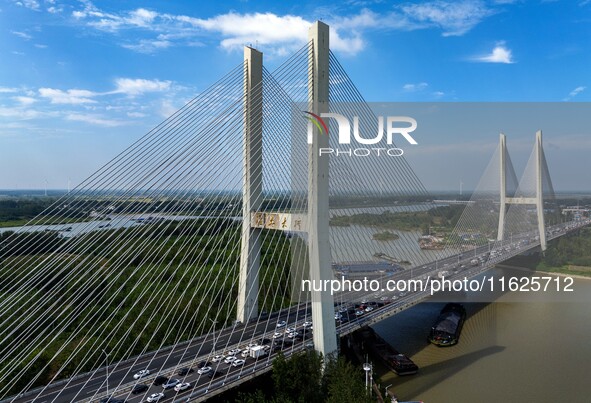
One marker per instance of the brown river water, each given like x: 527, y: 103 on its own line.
x: 521, y: 347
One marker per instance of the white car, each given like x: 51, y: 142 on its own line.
x: 229, y: 359
x: 281, y: 323
x: 204, y: 370
x: 171, y: 383
x: 217, y: 358
x: 290, y: 330
x: 234, y: 351
x: 277, y: 335
x: 141, y: 374
x: 309, y: 324
x: 155, y: 397
x: 238, y: 363
x: 292, y: 335
x: 369, y: 309
x: 245, y: 353
x: 182, y: 386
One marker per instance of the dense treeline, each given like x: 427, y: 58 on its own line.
x: 573, y: 249
x: 301, y: 379
x: 445, y: 217
x: 133, y: 299
x: 17, y: 209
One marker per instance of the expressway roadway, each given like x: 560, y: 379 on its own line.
x: 92, y: 387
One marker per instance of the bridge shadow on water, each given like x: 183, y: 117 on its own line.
x: 438, y: 372
x: 408, y: 332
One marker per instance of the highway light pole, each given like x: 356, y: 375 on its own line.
x: 107, y: 369
x: 367, y: 369
x: 387, y: 389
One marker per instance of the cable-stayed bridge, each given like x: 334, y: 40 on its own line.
x: 195, y: 241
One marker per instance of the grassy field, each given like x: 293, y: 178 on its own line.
x: 192, y: 268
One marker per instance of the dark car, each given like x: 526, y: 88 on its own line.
x: 185, y: 371
x: 204, y: 364
x: 139, y: 388
x: 160, y: 380
x: 265, y: 341
x: 111, y: 399
x: 277, y: 347
x: 214, y: 374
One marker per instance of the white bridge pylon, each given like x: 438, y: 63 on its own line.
x: 537, y: 199
x: 316, y: 222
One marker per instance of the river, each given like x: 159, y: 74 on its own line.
x: 523, y: 347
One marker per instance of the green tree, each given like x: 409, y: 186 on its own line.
x: 342, y: 383
x: 299, y: 378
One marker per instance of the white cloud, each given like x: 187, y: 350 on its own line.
x: 415, y: 87
x: 40, y: 46
x: 499, y: 54
x: 148, y: 45
x: 263, y: 28
x: 32, y: 4
x: 22, y: 35
x: 138, y: 86
x: 139, y: 18
x: 136, y: 114
x: 19, y: 113
x: 575, y: 92
x: 94, y: 119
x: 73, y: 97
x: 455, y: 18
x: 4, y: 90
x: 279, y: 34
x: 25, y: 100
x: 167, y: 108
x: 130, y: 87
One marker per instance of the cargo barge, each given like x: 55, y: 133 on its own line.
x: 392, y: 358
x: 448, y: 326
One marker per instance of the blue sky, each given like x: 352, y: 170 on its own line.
x: 80, y: 80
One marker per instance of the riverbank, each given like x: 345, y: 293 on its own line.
x: 554, y: 271
x: 569, y: 270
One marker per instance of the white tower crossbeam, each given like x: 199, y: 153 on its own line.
x: 537, y: 201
